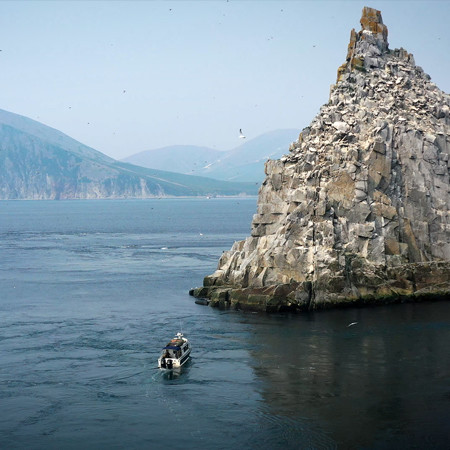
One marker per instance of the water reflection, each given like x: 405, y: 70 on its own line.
x: 382, y: 382
x: 177, y: 373
x: 170, y: 375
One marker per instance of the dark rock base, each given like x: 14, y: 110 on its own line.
x: 408, y: 283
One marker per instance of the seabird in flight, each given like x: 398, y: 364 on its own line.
x: 241, y: 135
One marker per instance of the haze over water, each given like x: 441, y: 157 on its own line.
x: 91, y: 290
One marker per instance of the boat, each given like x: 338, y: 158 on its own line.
x: 175, y: 353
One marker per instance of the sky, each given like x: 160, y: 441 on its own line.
x: 128, y: 76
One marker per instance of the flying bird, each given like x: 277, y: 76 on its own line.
x: 351, y: 324
x: 241, y: 135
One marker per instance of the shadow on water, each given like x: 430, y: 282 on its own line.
x: 380, y: 383
x: 171, y: 375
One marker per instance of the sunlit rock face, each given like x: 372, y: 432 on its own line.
x: 358, y: 211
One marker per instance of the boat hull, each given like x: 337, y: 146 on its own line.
x: 174, y: 363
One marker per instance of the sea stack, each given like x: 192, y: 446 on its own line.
x: 358, y: 211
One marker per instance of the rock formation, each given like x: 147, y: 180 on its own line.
x: 358, y: 211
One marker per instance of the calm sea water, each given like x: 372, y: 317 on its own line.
x: 91, y: 290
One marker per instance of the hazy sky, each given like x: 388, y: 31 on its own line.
x: 128, y: 76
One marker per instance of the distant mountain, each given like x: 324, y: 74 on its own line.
x: 39, y: 162
x: 50, y: 135
x: 246, y: 162
x: 187, y: 159
x: 243, y: 163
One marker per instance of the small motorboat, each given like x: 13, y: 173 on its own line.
x: 175, y: 353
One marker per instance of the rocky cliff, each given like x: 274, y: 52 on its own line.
x: 358, y: 211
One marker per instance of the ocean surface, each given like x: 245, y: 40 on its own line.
x: 90, y: 291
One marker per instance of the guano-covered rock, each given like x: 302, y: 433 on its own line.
x: 358, y: 211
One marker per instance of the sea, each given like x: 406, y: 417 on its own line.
x: 91, y: 290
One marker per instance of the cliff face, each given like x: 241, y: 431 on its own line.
x: 32, y: 168
x: 358, y: 211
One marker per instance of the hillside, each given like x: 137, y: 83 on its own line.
x: 246, y: 162
x: 187, y: 159
x: 39, y: 162
x: 243, y: 163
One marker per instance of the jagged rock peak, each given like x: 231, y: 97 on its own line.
x: 358, y: 211
x: 367, y: 47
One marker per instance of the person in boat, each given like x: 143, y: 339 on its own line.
x: 167, y: 354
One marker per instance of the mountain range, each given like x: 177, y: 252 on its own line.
x: 243, y: 163
x: 39, y: 162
